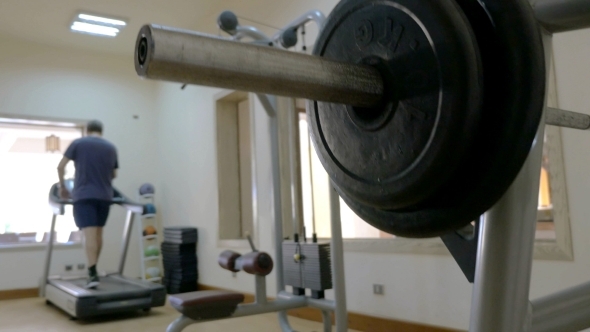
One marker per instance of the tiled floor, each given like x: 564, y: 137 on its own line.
x: 34, y: 315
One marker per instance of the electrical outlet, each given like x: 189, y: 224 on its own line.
x: 69, y: 267
x: 81, y: 266
x: 378, y: 289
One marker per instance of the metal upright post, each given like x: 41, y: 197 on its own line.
x: 126, y: 239
x: 48, y: 257
x: 269, y: 103
x: 500, y: 301
x: 327, y: 320
x: 338, y: 280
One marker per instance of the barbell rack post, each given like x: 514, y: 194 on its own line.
x: 500, y: 299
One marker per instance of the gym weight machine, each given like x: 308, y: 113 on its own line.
x: 406, y: 96
x: 202, y: 306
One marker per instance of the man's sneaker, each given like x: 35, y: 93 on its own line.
x: 93, y: 282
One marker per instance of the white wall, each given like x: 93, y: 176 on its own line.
x: 426, y: 289
x: 41, y: 81
x: 187, y: 192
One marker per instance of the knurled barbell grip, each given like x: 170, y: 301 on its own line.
x: 182, y: 56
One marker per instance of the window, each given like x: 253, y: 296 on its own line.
x: 315, y: 185
x: 30, y: 154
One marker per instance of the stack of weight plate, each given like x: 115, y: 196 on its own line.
x: 179, y: 253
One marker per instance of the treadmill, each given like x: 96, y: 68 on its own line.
x: 116, y: 293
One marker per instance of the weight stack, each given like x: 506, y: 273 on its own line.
x: 313, y: 271
x: 179, y: 254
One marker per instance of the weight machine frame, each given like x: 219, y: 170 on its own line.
x: 500, y: 298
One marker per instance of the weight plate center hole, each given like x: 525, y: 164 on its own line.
x: 374, y: 118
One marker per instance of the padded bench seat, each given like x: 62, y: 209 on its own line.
x: 210, y: 304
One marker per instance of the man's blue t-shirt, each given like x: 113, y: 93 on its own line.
x: 95, y: 160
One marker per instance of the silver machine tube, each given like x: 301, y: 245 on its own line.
x: 294, y: 169
x: 248, y: 31
x: 337, y: 251
x: 270, y: 105
x: 311, y: 16
x: 562, y: 15
x: 48, y: 254
x: 243, y: 310
x: 500, y: 299
x: 564, y: 311
x: 126, y: 239
x: 260, y: 289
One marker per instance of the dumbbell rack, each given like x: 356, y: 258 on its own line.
x: 149, y: 218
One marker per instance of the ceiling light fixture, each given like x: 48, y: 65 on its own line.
x: 97, y: 25
x: 94, y: 29
x: 93, y: 18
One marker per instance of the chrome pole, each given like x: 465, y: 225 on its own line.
x: 270, y: 106
x: 564, y: 311
x: 338, y: 281
x: 327, y: 320
x: 500, y: 296
x: 48, y: 254
x: 126, y: 239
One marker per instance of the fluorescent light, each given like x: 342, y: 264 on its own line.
x: 93, y: 18
x: 94, y: 29
x: 37, y: 122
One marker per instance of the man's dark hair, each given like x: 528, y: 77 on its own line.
x: 94, y: 126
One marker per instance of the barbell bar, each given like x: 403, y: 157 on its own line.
x: 170, y: 54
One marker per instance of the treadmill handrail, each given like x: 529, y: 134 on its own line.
x: 57, y: 203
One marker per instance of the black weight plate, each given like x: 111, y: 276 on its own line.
x: 513, y: 60
x: 398, y: 154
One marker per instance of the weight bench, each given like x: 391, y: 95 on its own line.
x: 205, y: 305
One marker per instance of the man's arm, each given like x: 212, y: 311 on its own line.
x: 61, y: 172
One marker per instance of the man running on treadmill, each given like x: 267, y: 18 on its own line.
x: 96, y: 164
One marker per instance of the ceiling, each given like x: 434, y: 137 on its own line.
x: 48, y: 22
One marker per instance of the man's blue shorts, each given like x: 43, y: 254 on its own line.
x: 91, y: 212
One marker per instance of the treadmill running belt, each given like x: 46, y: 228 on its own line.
x: 110, y: 289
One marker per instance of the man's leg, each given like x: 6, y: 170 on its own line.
x: 99, y: 241
x: 93, y: 236
x: 85, y: 215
